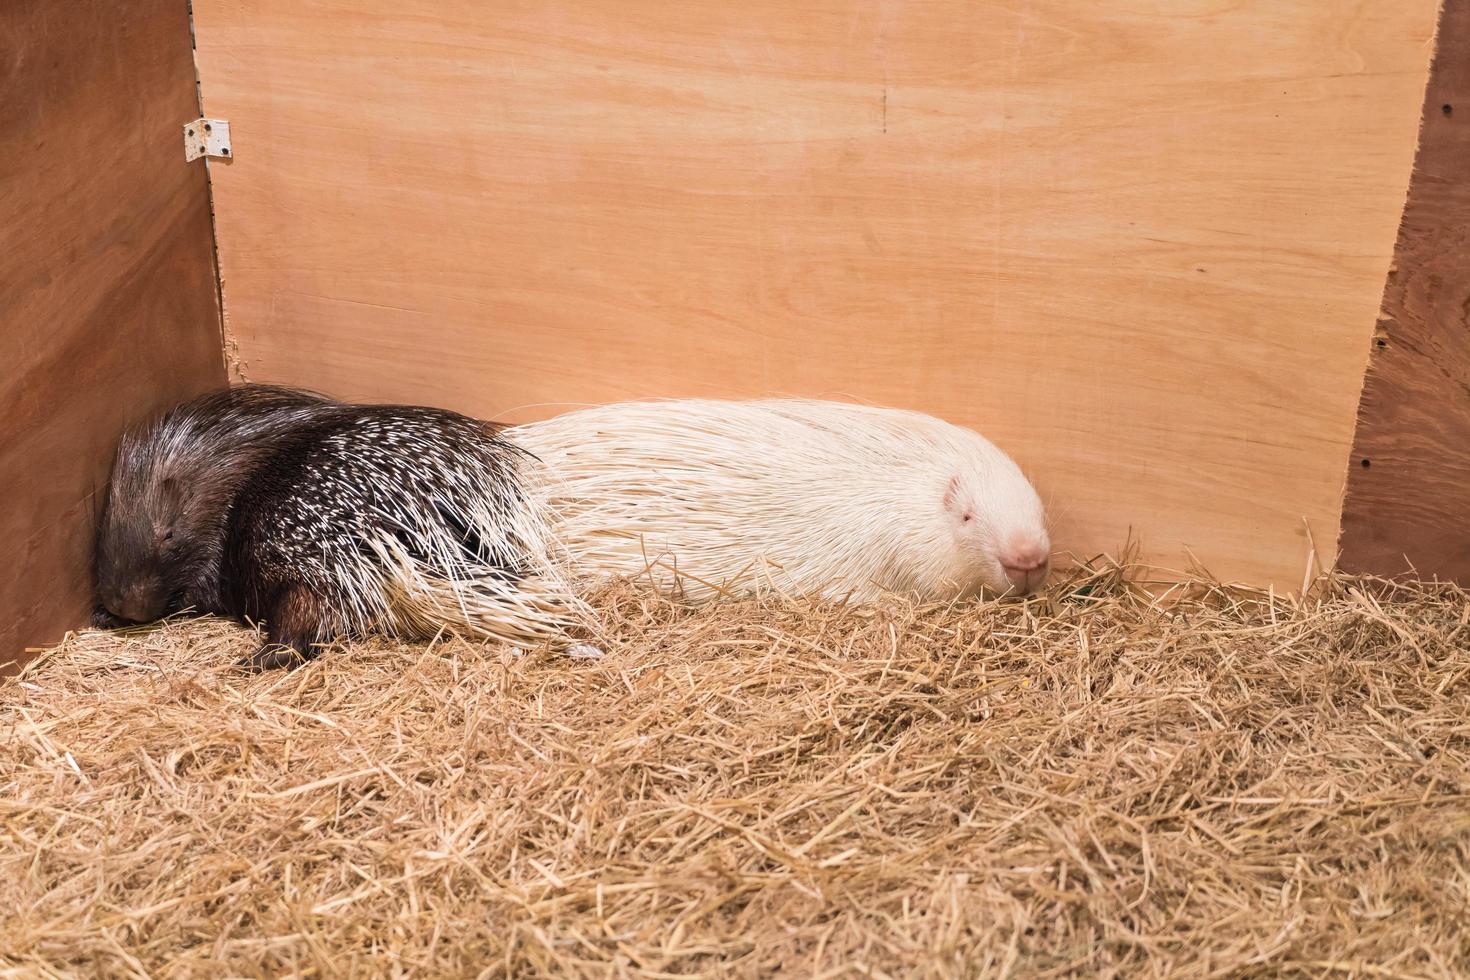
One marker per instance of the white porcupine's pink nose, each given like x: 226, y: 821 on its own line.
x: 1026, y: 561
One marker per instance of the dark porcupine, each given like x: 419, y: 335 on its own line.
x: 406, y: 520
x: 163, y: 522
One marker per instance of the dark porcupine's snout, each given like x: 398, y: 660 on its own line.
x: 135, y: 601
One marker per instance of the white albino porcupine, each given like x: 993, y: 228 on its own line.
x: 804, y: 496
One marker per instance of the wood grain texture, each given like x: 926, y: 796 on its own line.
x: 1408, y: 492
x: 1139, y: 244
x: 108, y: 307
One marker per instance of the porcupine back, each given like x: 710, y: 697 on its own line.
x: 706, y: 497
x: 411, y: 521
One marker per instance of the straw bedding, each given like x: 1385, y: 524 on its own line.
x: 1094, y: 784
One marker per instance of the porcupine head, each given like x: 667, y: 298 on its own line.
x: 158, y: 547
x: 994, y: 522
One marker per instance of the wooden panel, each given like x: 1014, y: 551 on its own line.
x: 108, y: 304
x: 1408, y: 498
x: 1139, y: 244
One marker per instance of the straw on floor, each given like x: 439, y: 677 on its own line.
x: 1081, y: 784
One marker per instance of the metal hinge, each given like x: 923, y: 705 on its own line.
x: 207, y: 138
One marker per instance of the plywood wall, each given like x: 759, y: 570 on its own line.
x: 107, y: 295
x: 1141, y: 244
x: 1408, y: 501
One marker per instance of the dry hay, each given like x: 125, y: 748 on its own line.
x: 1243, y: 786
